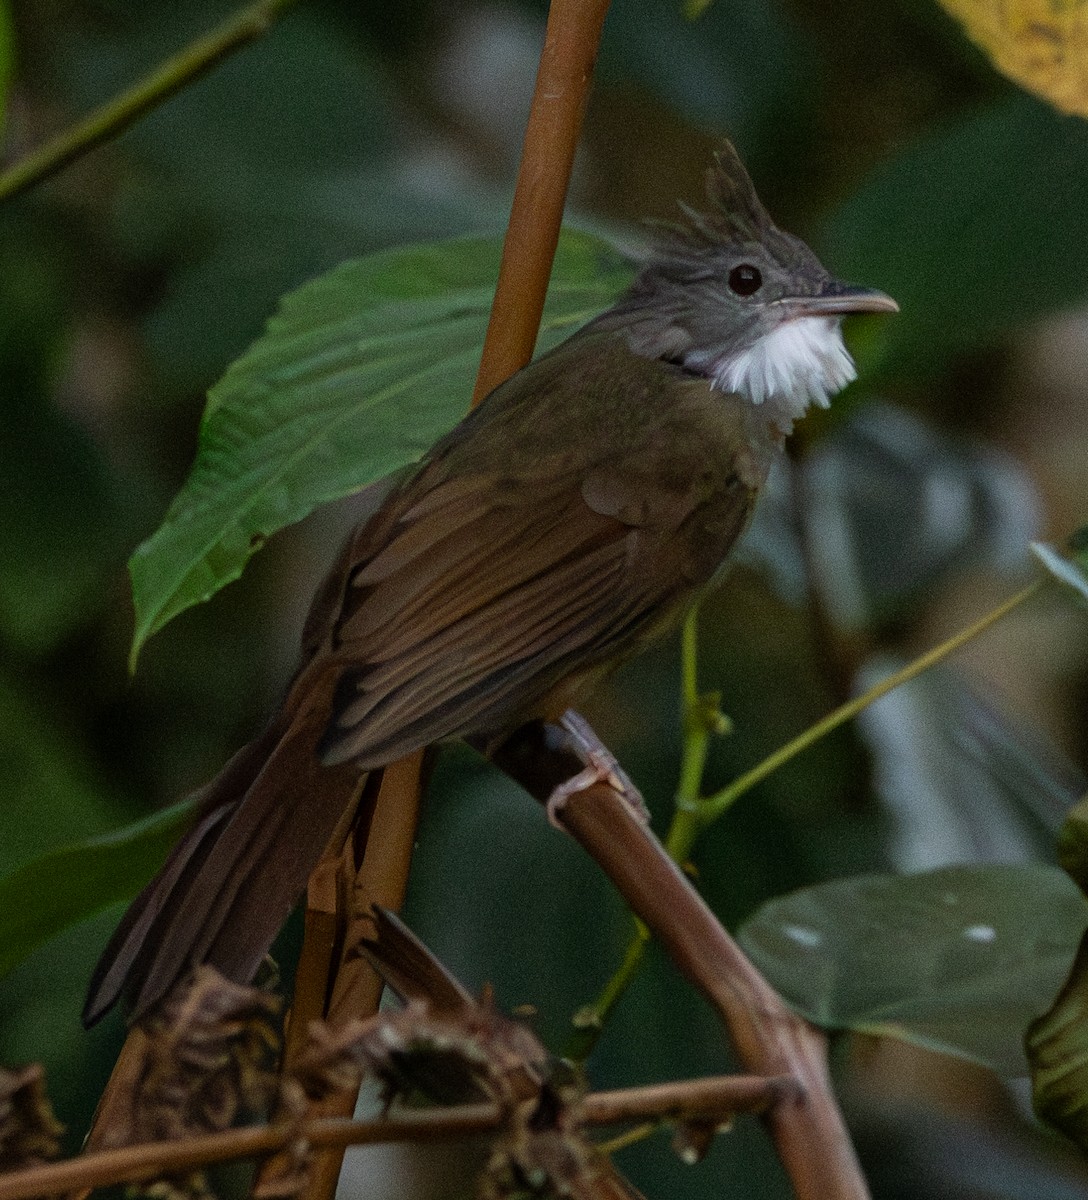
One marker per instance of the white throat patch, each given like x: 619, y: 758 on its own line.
x: 802, y: 362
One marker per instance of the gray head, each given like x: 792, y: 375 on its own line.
x: 730, y: 296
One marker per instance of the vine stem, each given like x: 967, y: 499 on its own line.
x: 116, y: 115
x: 713, y: 806
x: 701, y: 718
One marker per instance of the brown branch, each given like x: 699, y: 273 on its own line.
x: 769, y: 1039
x: 116, y: 115
x: 381, y: 879
x: 555, y: 121
x: 551, y: 137
x: 715, y: 1096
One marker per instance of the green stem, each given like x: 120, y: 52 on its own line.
x: 590, y: 1021
x: 715, y: 805
x: 701, y: 717
x: 693, y: 717
x: 118, y: 114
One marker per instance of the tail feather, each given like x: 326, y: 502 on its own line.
x: 231, y: 882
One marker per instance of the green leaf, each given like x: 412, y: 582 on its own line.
x: 1068, y: 565
x: 359, y: 372
x: 1057, y: 1049
x: 958, y: 960
x: 61, y: 887
x: 975, y: 228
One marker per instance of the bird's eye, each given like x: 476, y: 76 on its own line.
x: 745, y: 279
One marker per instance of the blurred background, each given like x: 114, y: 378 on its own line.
x: 876, y: 131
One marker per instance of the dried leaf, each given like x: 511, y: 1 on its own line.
x: 1040, y: 45
x: 207, y: 1058
x: 446, y: 1048
x: 212, y: 1046
x: 544, y: 1153
x: 425, y: 1058
x: 29, y: 1132
x: 409, y: 968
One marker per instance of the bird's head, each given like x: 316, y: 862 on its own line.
x: 731, y: 297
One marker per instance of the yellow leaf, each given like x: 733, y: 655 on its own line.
x: 1041, y: 44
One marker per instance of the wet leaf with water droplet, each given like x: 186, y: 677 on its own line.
x: 958, y: 960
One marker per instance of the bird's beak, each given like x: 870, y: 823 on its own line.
x: 840, y: 299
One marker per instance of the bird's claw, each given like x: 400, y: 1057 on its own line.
x: 601, y: 767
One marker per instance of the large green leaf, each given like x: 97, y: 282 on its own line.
x: 959, y: 959
x: 61, y: 887
x: 975, y: 228
x: 359, y: 372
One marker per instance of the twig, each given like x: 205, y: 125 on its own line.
x: 718, y: 1095
x: 116, y: 115
x: 551, y: 137
x: 701, y: 718
x: 380, y: 878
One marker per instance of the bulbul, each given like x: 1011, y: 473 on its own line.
x: 567, y: 521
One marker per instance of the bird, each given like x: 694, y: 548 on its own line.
x: 570, y: 519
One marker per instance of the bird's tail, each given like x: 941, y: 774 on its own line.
x: 232, y: 880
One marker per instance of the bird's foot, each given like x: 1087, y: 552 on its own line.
x: 556, y: 760
x: 601, y: 766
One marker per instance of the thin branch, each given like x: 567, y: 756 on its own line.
x: 766, y: 1039
x: 551, y: 136
x: 715, y: 805
x: 701, y: 717
x: 769, y: 1039
x: 718, y: 1095
x: 554, y: 125
x: 381, y: 877
x: 116, y: 115
x: 693, y: 814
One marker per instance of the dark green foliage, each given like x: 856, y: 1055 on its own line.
x: 133, y: 281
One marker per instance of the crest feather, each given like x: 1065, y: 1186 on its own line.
x: 736, y: 217
x: 738, y: 213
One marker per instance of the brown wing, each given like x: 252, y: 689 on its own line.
x: 488, y: 592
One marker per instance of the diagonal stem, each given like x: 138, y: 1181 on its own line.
x: 116, y: 115
x: 717, y: 804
